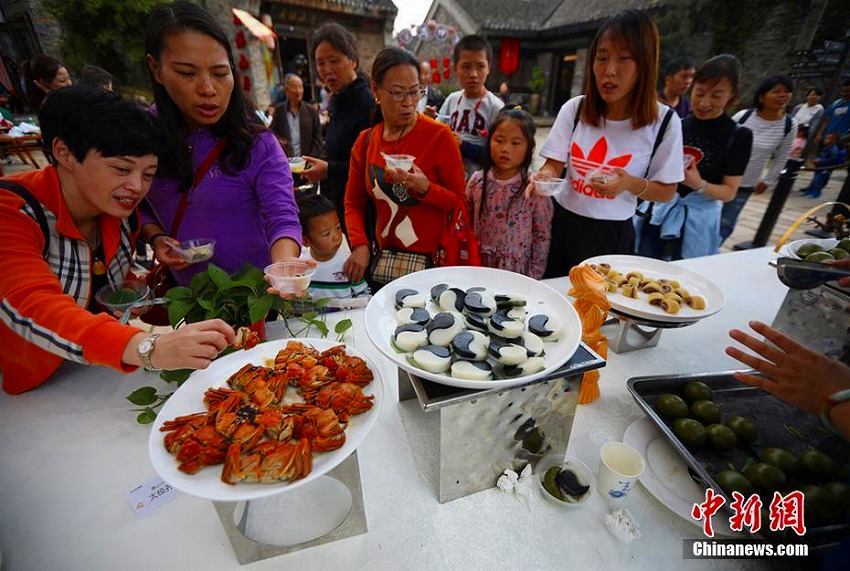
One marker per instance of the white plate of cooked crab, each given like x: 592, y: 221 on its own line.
x: 189, y: 400
x: 473, y: 328
x: 697, y: 296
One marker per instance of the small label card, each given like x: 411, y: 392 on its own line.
x: 152, y: 494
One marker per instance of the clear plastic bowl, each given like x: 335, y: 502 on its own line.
x: 585, y: 477
x: 297, y: 164
x: 549, y: 186
x: 120, y: 296
x: 289, y: 277
x: 198, y: 250
x: 403, y: 162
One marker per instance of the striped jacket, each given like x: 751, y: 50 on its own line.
x: 43, y: 301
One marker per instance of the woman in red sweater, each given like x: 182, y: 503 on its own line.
x: 411, y: 205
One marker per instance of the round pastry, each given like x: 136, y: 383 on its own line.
x: 529, y: 367
x: 410, y: 337
x: 452, y: 299
x: 480, y: 302
x: 546, y: 327
x: 409, y: 298
x: 533, y: 344
x: 471, y: 345
x: 407, y: 315
x: 436, y: 291
x: 502, y: 325
x: 507, y: 353
x: 432, y: 359
x: 443, y: 327
x: 472, y: 370
x: 476, y: 322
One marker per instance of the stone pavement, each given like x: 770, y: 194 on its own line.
x: 748, y: 222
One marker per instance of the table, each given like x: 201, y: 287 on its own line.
x: 22, y: 146
x: 71, y: 450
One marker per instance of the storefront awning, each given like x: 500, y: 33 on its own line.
x: 256, y: 27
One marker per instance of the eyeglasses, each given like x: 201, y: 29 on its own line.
x: 414, y: 94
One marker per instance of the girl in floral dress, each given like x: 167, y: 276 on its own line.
x: 513, y: 233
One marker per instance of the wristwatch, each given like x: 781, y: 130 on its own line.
x: 145, y: 350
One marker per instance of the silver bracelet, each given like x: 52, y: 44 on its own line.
x: 645, y: 188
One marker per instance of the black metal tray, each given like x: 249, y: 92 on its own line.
x: 779, y: 424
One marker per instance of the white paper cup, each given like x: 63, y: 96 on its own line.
x: 620, y: 467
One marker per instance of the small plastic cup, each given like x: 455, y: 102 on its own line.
x: 403, y: 162
x: 549, y: 186
x: 620, y: 467
x: 297, y: 164
x: 582, y: 472
x: 197, y: 250
x: 289, y: 277
x: 601, y: 176
x: 119, y: 297
x: 687, y: 160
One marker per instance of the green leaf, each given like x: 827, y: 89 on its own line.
x: 206, y: 303
x: 218, y: 276
x: 343, y: 326
x: 309, y: 315
x: 320, y: 325
x: 143, y: 396
x: 179, y: 293
x: 147, y: 416
x: 177, y: 310
x: 178, y: 376
x: 258, y: 307
x: 322, y: 302
x: 200, y: 282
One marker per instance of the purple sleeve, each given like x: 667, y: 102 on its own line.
x: 273, y: 184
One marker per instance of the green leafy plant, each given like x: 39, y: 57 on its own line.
x: 239, y: 299
x: 537, y: 83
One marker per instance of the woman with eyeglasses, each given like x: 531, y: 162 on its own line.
x: 350, y: 110
x: 411, y: 205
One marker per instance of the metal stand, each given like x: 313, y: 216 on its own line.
x: 774, y: 207
x: 236, y: 517
x: 476, y: 434
x: 634, y: 333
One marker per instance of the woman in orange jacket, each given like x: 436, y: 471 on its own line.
x: 67, y: 230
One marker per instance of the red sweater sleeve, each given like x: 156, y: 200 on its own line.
x: 450, y: 185
x: 356, y: 195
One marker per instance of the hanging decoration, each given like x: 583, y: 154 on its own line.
x: 433, y: 38
x: 509, y: 56
x: 241, y: 42
x: 243, y: 62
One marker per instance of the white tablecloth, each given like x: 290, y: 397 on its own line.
x: 71, y: 450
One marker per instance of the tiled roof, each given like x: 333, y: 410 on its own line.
x: 539, y: 15
x: 382, y: 5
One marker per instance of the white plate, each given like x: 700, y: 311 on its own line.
x: 381, y: 317
x: 188, y: 399
x: 667, y: 477
x: 790, y: 249
x: 650, y: 267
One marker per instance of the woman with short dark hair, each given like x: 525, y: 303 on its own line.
x: 716, y: 152
x: 43, y: 74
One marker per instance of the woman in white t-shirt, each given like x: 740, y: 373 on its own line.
x: 625, y: 146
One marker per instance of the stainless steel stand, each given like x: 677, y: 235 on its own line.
x: 463, y: 439
x: 236, y: 517
x: 634, y: 333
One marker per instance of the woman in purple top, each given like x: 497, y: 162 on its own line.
x: 245, y: 201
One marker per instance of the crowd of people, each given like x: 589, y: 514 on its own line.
x: 646, y: 171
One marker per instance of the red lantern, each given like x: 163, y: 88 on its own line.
x: 240, y: 39
x: 447, y: 73
x: 246, y: 83
x: 435, y: 77
x: 509, y: 56
x: 433, y: 63
x: 446, y: 63
x: 243, y: 62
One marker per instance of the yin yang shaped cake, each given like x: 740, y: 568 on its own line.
x: 472, y: 370
x: 470, y: 345
x: 410, y: 337
x: 418, y: 315
x: 409, y: 298
x: 504, y: 326
x: 432, y: 358
x: 443, y: 328
x: 545, y: 326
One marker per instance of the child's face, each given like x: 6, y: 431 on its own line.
x: 508, y: 147
x: 324, y: 236
x: 472, y: 69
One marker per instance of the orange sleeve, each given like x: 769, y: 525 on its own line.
x: 36, y: 311
x: 356, y: 195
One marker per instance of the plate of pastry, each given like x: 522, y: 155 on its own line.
x: 655, y: 290
x: 474, y: 328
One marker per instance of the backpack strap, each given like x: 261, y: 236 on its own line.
x: 659, y: 138
x: 577, y: 118
x: 787, y: 124
x: 745, y: 116
x: 37, y: 209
